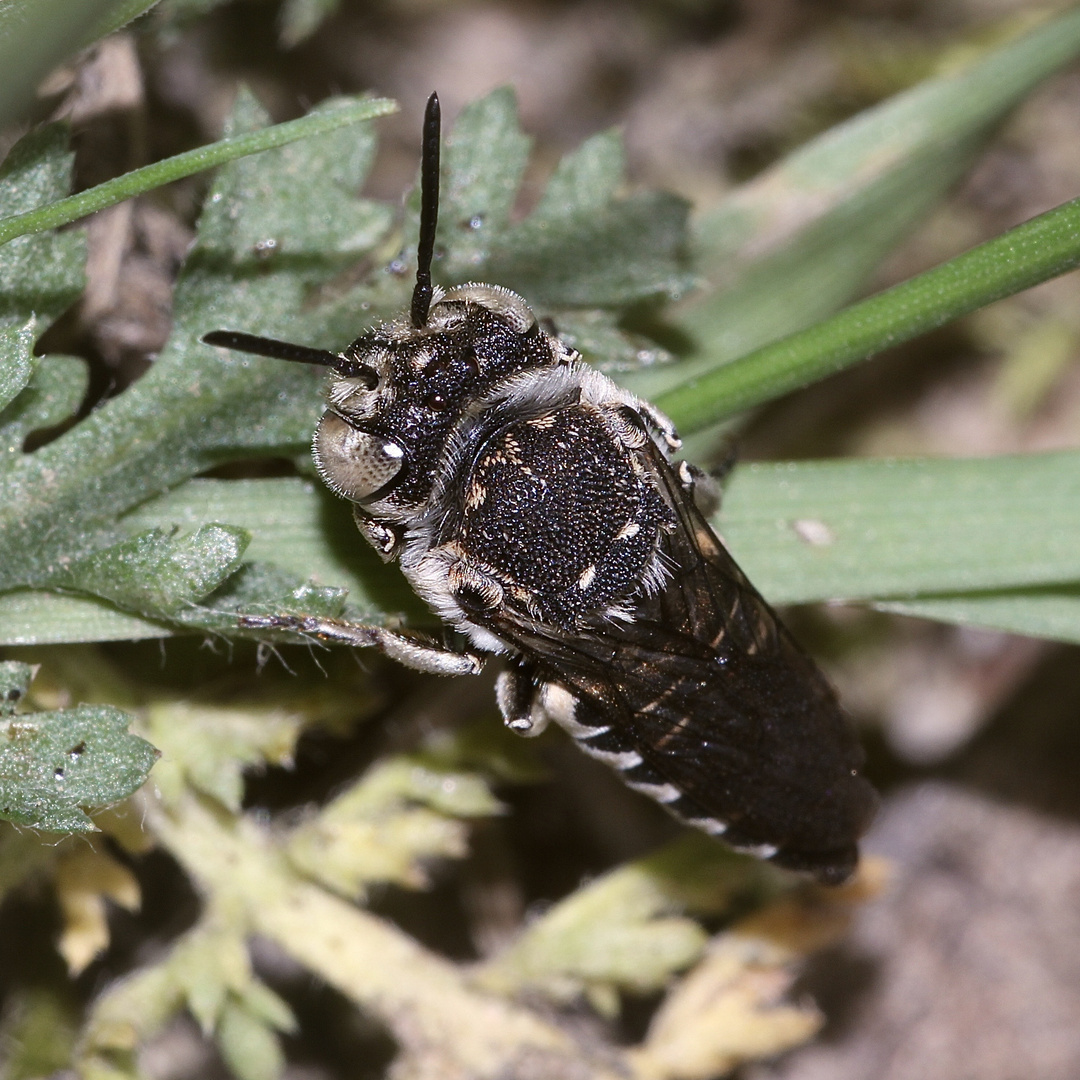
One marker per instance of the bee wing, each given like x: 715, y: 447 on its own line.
x: 705, y: 701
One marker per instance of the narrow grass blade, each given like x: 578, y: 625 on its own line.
x: 903, y: 529
x: 317, y: 122
x: 1045, y: 247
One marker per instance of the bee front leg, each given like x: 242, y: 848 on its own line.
x: 413, y: 652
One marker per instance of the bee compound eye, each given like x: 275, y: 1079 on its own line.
x: 356, y: 464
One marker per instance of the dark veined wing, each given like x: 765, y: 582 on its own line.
x: 706, y: 702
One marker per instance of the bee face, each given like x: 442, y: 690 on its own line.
x: 535, y: 506
x: 386, y: 435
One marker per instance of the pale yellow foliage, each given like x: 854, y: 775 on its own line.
x: 85, y: 878
x: 733, y: 1007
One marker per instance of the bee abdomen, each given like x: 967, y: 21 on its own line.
x: 612, y: 744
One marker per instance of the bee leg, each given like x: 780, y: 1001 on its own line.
x: 729, y: 455
x: 660, y: 424
x: 516, y: 695
x: 410, y: 651
x: 702, y: 487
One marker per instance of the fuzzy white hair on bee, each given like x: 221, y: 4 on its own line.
x: 533, y: 504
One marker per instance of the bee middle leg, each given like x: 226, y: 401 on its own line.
x: 517, y: 695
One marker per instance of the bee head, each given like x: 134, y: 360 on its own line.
x: 393, y: 393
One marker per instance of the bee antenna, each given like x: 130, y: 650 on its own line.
x: 287, y: 350
x: 429, y: 210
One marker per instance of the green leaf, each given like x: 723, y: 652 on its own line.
x: 389, y: 825
x: 249, y: 1046
x: 39, y: 275
x: 56, y: 387
x: 598, y: 337
x: 159, y: 575
x: 587, y: 179
x: 300, y: 534
x: 326, y: 117
x: 38, y: 1031
x: 1042, y: 248
x: 55, y: 764
x: 198, y: 407
x: 16, y: 343
x: 485, y: 157
x: 208, y: 747
x: 39, y: 617
x: 120, y: 13
x: 297, y: 526
x: 582, y: 247
x: 858, y: 530
x: 15, y: 680
x: 623, y: 253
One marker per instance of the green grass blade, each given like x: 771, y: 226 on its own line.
x: 37, y: 617
x: 1049, y: 613
x: 120, y: 13
x: 879, y: 529
x: 153, y: 176
x: 1045, y: 247
x: 911, y: 533
x: 795, y: 244
x: 35, y: 36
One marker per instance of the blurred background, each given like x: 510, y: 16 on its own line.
x: 966, y: 966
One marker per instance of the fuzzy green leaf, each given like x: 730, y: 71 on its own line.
x: 197, y: 407
x: 156, y: 574
x: 598, y: 337
x: 14, y: 682
x: 582, y: 247
x: 298, y: 527
x: 55, y: 764
x: 16, y: 364
x: 43, y: 274
x: 586, y: 179
x: 54, y: 390
x: 614, y: 256
x: 485, y: 156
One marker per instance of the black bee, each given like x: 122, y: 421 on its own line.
x: 534, y: 505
